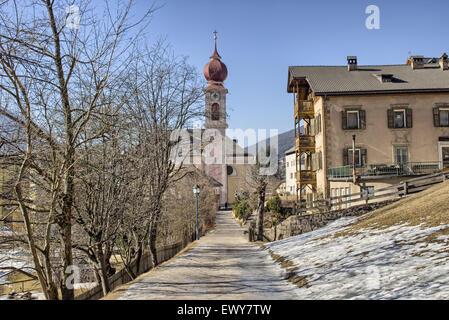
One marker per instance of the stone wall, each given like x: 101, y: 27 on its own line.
x: 296, y: 225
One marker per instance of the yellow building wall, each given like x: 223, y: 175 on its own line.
x: 237, y: 182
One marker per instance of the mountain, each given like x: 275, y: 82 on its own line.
x: 286, y: 140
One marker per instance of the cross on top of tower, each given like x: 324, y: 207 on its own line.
x: 215, y: 35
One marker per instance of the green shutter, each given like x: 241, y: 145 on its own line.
x: 390, y: 116
x: 362, y: 115
x: 436, y: 116
x: 344, y: 121
x: 345, y: 157
x: 409, y: 118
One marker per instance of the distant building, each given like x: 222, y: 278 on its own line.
x: 290, y: 171
x: 399, y: 115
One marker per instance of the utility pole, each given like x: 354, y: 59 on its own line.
x: 354, y: 173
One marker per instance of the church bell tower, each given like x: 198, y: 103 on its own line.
x: 215, y: 73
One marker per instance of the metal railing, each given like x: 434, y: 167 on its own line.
x: 382, y: 169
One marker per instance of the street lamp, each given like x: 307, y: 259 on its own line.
x: 196, y: 192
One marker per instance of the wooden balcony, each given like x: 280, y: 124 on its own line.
x: 306, y: 177
x: 304, y: 109
x: 305, y: 143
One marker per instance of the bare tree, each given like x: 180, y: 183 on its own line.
x: 54, y: 77
x: 167, y: 95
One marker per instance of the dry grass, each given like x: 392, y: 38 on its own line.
x: 290, y: 274
x: 429, y: 207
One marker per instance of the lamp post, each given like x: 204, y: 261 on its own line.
x: 196, y: 192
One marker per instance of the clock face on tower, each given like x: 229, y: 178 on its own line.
x: 215, y: 96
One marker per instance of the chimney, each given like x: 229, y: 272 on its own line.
x: 444, y: 65
x: 417, y: 62
x: 352, y: 63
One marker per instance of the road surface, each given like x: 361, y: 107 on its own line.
x: 222, y: 265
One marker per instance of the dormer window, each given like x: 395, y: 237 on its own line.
x: 384, y: 77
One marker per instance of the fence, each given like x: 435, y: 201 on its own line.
x: 398, y: 190
x: 121, y: 277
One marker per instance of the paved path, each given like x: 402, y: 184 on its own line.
x: 223, y: 265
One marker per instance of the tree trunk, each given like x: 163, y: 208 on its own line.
x: 153, y: 237
x: 102, y: 272
x: 260, y: 209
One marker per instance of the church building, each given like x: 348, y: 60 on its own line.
x: 227, y: 161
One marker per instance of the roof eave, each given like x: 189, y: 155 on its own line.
x: 342, y: 93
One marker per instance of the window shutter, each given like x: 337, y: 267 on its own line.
x: 436, y: 116
x: 321, y: 160
x: 409, y: 118
x: 345, y: 157
x: 344, y: 120
x: 364, y: 154
x: 390, y: 118
x: 362, y: 116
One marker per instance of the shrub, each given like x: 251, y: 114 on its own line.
x: 274, y: 204
x: 240, y: 207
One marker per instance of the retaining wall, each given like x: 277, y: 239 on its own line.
x: 296, y: 225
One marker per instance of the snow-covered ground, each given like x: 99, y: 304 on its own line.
x: 393, y: 263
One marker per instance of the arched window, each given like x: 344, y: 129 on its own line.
x: 215, y: 112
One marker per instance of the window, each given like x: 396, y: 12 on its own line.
x: 399, y: 119
x: 360, y: 157
x: 287, y: 163
x: 401, y: 155
x: 291, y: 175
x: 441, y: 116
x: 353, y: 120
x: 215, y: 112
x: 444, y: 117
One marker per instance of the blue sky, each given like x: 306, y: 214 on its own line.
x: 258, y: 40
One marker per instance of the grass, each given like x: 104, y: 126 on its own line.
x: 429, y: 208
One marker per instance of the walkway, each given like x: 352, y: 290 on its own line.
x: 222, y: 265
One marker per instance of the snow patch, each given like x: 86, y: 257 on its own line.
x: 373, y: 264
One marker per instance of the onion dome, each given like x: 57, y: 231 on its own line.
x: 215, y: 70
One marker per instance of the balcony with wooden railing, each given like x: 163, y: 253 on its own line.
x: 305, y: 143
x: 304, y: 109
x: 306, y: 177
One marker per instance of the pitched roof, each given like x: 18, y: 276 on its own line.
x: 337, y: 80
x: 290, y: 151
